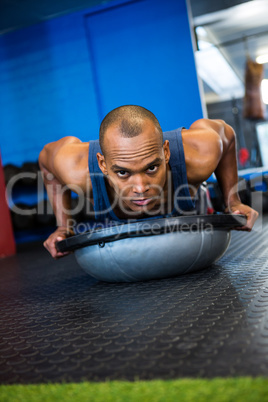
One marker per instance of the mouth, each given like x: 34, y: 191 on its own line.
x: 142, y: 201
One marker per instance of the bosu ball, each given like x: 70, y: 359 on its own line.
x: 153, y: 248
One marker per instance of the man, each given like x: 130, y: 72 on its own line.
x: 136, y: 172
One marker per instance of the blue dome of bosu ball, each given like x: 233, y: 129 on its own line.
x: 154, y: 248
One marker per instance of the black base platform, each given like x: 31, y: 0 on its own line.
x: 57, y: 324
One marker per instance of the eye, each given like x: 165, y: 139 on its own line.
x: 152, y: 169
x: 122, y: 173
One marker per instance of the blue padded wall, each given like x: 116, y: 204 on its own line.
x: 62, y: 76
x: 142, y: 53
x: 47, y: 89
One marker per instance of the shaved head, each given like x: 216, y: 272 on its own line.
x: 129, y: 120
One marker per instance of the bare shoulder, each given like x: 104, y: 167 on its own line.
x: 202, y: 148
x: 203, y: 133
x: 67, y: 159
x: 70, y: 149
x: 208, y: 124
x: 52, y: 149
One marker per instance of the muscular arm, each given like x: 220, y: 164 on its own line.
x: 223, y: 158
x: 62, y: 165
x: 226, y: 171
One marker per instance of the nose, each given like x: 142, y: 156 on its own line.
x: 140, y: 185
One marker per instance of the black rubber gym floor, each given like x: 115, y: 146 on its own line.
x: 58, y: 324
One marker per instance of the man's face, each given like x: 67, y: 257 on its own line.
x: 136, y: 168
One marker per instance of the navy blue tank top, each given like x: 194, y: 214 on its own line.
x: 182, y: 199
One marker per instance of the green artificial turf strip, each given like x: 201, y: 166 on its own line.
x: 243, y: 389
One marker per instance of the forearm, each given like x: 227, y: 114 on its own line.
x: 60, y: 198
x: 226, y: 171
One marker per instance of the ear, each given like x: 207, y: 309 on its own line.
x: 102, y: 163
x: 166, y: 151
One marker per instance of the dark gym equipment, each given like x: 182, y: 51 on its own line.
x: 10, y: 171
x: 45, y: 215
x: 23, y: 216
x: 29, y: 172
x: 154, y: 248
x: 77, y: 211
